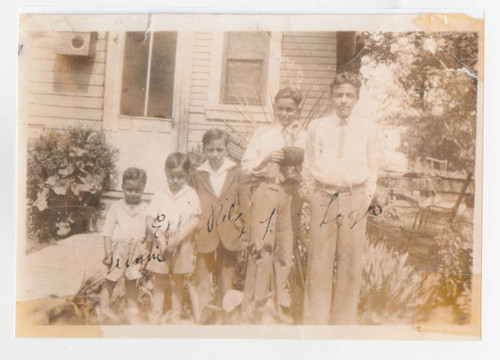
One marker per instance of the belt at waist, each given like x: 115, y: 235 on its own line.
x: 277, y: 181
x: 274, y: 180
x: 332, y: 189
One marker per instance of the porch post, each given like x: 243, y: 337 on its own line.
x: 182, y: 89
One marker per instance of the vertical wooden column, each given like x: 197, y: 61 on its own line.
x: 183, y: 71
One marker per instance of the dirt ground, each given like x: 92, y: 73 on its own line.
x: 57, y: 270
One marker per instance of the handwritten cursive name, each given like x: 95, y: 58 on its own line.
x: 158, y: 223
x: 135, y: 261
x: 219, y: 215
x: 355, y: 215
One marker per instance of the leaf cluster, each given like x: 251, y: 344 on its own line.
x: 389, y: 287
x: 451, y: 284
x: 435, y: 81
x: 66, y: 173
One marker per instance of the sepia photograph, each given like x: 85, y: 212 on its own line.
x: 202, y: 175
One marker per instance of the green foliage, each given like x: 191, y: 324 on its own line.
x: 431, y: 82
x: 66, y: 172
x: 389, y: 286
x: 451, y: 284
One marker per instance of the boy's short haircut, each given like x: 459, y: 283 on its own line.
x: 135, y: 174
x: 176, y: 160
x: 346, y: 78
x: 289, y: 93
x: 215, y: 134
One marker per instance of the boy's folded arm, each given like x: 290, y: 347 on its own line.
x: 176, y: 238
x: 183, y: 233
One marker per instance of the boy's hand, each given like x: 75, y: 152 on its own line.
x: 240, y: 223
x: 162, y: 242
x: 267, y: 171
x: 275, y: 156
x: 255, y: 254
x: 107, y: 260
x: 172, y: 248
x: 245, y: 242
x: 172, y: 243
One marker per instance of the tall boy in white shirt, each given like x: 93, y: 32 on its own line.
x: 340, y: 174
x: 273, y: 158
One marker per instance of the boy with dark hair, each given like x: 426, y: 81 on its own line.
x: 219, y: 237
x: 124, y: 234
x: 340, y: 173
x: 273, y: 160
x: 172, y: 216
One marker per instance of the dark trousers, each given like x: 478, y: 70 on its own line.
x: 220, y: 264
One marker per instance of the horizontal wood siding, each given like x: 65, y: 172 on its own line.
x: 200, y: 84
x: 58, y: 90
x: 309, y: 63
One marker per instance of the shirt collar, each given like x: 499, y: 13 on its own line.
x: 183, y: 190
x: 226, y: 165
x: 353, y: 119
x: 280, y: 128
x: 341, y: 122
x: 133, y: 210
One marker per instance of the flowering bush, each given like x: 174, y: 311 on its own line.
x: 67, y: 171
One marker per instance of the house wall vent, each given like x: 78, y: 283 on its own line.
x: 76, y: 43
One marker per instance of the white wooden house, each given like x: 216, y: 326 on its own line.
x: 156, y: 92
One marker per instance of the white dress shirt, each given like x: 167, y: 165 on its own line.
x: 125, y: 223
x: 337, y: 159
x: 173, y: 211
x: 217, y: 177
x: 264, y: 141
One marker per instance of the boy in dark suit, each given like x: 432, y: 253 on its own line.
x: 221, y: 232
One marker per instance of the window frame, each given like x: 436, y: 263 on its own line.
x: 149, y: 75
x: 215, y: 109
x: 112, y: 119
x: 224, y: 76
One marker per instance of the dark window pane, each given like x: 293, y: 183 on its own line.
x: 243, y: 81
x: 161, y: 82
x: 135, y: 65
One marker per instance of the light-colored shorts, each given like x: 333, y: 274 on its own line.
x: 127, y: 259
x: 181, y: 262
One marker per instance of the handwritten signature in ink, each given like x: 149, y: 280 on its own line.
x: 219, y: 215
x: 374, y: 210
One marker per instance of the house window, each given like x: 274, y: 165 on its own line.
x: 148, y: 74
x: 244, y: 68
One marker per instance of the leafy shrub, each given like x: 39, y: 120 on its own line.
x: 451, y: 284
x: 66, y: 172
x: 389, y: 286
